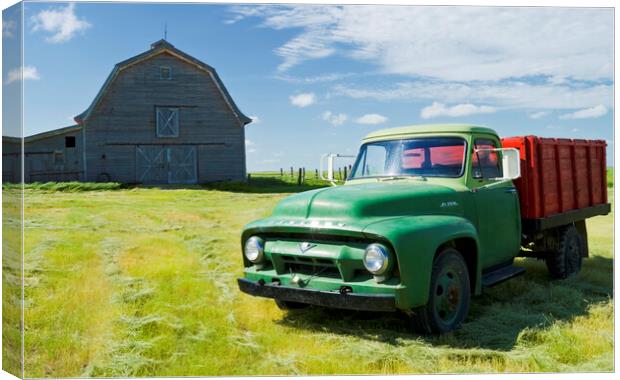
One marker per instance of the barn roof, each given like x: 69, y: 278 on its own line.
x: 43, y: 135
x: 159, y: 47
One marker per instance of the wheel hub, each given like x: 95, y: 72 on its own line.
x: 447, y: 296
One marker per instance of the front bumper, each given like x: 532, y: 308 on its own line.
x: 335, y: 299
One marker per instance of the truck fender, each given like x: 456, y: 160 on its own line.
x: 415, y: 241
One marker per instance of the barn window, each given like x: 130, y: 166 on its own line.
x: 165, y: 72
x: 167, y: 121
x: 70, y: 142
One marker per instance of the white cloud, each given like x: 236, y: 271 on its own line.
x: 8, y: 28
x: 538, y: 115
x: 502, y: 56
x: 329, y: 77
x: 62, y: 23
x: 505, y: 94
x: 588, y: 113
x: 371, y: 118
x: 29, y: 73
x: 249, y: 142
x: 303, y: 100
x: 302, y: 48
x: 334, y: 119
x: 255, y: 120
x: 439, y: 109
x: 457, y: 43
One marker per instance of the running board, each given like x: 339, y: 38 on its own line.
x: 500, y: 275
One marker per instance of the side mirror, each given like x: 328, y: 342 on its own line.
x: 511, y: 163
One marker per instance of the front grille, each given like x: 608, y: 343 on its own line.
x: 310, y: 266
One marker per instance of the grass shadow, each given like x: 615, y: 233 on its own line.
x: 496, y: 319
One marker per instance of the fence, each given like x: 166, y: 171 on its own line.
x: 301, y: 175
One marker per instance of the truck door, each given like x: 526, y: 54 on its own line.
x: 497, y: 206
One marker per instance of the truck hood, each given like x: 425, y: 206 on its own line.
x: 369, y: 202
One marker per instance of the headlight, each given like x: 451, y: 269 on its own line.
x: 254, y: 249
x: 376, y: 259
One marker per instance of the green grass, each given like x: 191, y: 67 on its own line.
x: 70, y: 187
x: 142, y: 282
x: 610, y: 177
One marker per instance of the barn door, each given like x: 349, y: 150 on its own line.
x: 182, y: 164
x: 150, y: 164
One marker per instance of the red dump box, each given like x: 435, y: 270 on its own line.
x: 560, y: 177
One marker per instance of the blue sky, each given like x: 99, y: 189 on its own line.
x: 316, y: 78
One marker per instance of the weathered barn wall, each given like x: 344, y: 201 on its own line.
x: 46, y: 157
x: 11, y: 162
x: 124, y: 124
x: 49, y: 159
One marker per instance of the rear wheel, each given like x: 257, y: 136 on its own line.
x: 449, y: 296
x: 566, y: 262
x: 289, y: 305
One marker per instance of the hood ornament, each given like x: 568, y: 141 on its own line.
x: 305, y: 246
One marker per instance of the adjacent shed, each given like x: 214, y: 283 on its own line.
x: 161, y: 116
x: 50, y: 156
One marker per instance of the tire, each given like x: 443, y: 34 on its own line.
x: 289, y: 305
x: 449, y: 295
x: 566, y: 262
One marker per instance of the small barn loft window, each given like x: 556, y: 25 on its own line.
x: 165, y: 72
x: 167, y: 120
x: 70, y: 142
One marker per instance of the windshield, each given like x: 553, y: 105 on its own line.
x: 425, y: 156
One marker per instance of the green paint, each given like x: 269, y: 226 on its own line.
x: 415, y: 216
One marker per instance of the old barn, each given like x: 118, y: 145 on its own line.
x: 161, y: 116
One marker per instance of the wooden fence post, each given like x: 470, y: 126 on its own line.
x: 299, y: 178
x: 281, y: 172
x: 340, y: 173
x: 292, y: 175
x: 345, y: 173
x: 316, y: 173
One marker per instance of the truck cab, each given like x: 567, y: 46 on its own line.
x: 428, y: 216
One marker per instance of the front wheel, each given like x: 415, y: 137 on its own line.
x: 448, y: 302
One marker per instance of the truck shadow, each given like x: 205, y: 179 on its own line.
x: 496, y: 320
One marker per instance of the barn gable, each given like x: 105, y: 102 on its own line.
x: 163, y: 117
x: 157, y: 48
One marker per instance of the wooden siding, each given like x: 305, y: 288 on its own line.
x: 125, y: 118
x: 40, y: 164
x: 42, y: 161
x: 11, y: 163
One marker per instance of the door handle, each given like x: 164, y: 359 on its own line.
x: 511, y: 190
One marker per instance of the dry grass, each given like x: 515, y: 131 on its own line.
x: 141, y: 282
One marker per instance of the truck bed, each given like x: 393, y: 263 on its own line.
x: 562, y: 180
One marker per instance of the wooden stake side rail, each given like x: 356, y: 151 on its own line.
x: 559, y: 176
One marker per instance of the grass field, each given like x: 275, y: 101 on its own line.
x: 141, y: 281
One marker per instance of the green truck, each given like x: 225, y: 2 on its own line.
x: 428, y: 216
